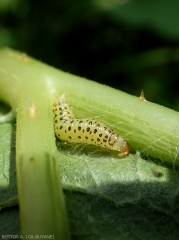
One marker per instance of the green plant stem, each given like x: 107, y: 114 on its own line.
x: 150, y: 128
x: 39, y: 188
x: 42, y: 207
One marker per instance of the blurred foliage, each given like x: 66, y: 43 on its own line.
x: 129, y: 45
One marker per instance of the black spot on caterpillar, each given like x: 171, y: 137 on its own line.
x: 70, y: 129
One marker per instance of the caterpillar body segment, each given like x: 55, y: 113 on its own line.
x: 70, y: 129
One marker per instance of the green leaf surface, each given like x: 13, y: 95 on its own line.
x: 8, y: 185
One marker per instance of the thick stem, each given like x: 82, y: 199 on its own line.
x: 42, y: 208
x: 151, y: 129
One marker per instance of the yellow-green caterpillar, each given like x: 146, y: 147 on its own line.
x: 74, y: 130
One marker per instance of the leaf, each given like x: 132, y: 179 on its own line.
x: 8, y: 185
x: 9, y: 218
x: 115, y: 198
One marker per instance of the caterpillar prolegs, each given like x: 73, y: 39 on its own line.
x: 87, y: 131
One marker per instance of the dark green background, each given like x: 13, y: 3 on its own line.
x: 129, y: 45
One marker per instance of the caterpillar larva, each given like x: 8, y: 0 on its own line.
x: 74, y: 130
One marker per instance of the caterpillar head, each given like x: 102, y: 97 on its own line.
x: 119, y: 144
